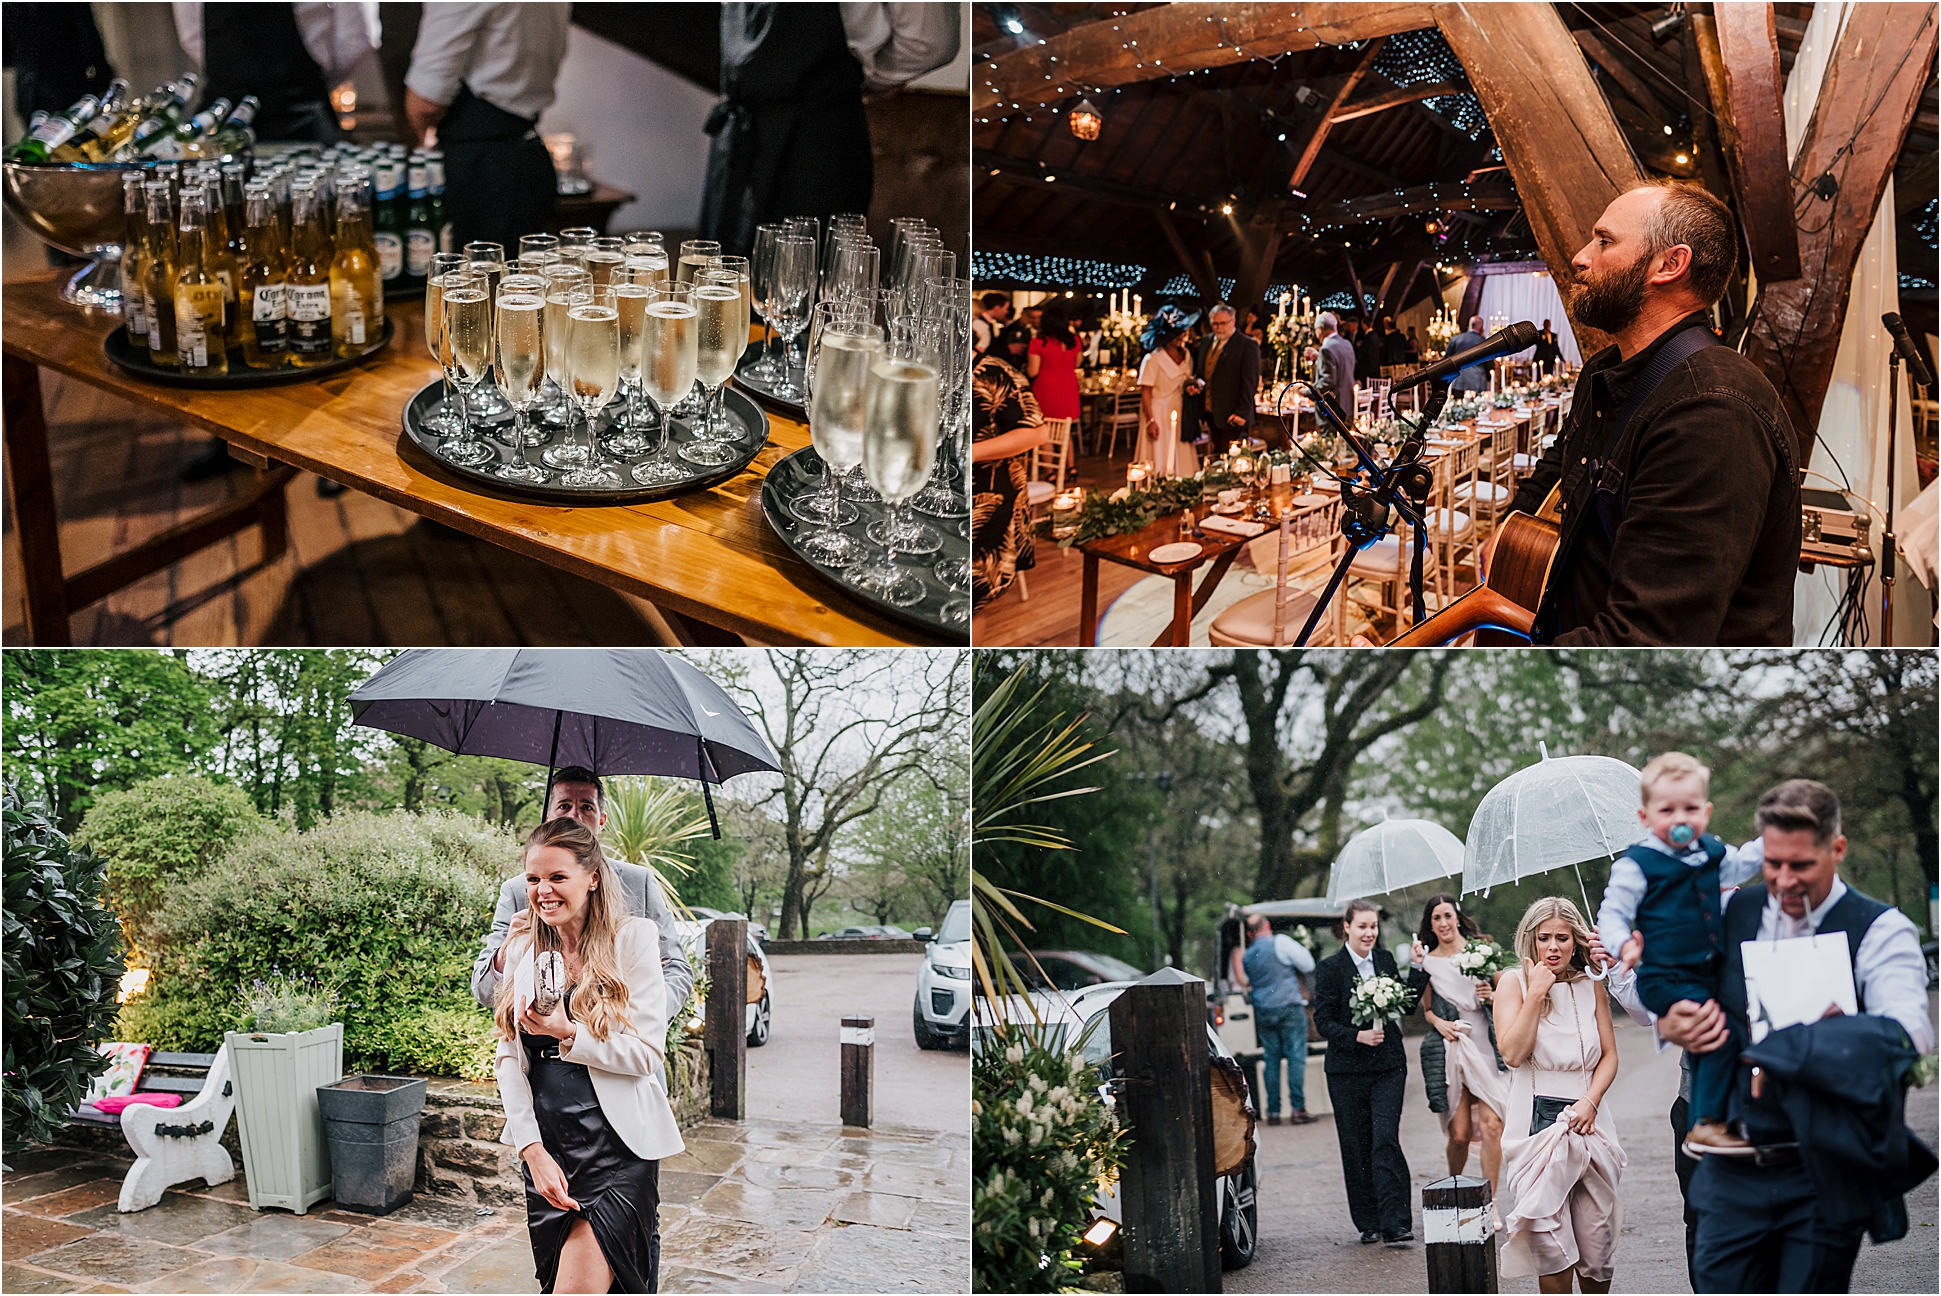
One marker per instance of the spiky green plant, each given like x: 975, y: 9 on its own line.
x: 647, y: 820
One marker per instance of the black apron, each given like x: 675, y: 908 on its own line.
x: 257, y: 49
x: 499, y: 181
x: 790, y: 135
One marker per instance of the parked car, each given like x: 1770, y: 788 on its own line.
x: 694, y: 940
x: 755, y: 929
x: 942, y: 1008
x: 891, y: 931
x: 1080, y: 1016
x: 849, y: 933
x: 1073, y: 969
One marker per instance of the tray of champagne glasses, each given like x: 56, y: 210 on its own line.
x: 766, y: 382
x: 935, y: 569
x: 123, y: 352
x: 630, y: 465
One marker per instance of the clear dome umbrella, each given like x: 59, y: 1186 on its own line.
x: 1392, y: 856
x: 1554, y: 814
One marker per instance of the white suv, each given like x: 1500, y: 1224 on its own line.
x: 942, y: 1009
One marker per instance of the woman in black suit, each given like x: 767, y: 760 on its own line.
x: 1367, y: 1072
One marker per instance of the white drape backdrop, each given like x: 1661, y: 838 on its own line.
x: 1853, y: 422
x: 1532, y: 297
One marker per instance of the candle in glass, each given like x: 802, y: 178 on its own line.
x: 1136, y: 474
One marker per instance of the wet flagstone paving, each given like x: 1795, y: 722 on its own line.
x: 761, y: 1206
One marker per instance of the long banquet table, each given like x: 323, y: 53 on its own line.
x: 708, y: 560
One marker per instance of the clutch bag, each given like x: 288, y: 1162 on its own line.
x: 548, y: 981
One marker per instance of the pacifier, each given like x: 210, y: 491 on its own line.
x: 1682, y: 834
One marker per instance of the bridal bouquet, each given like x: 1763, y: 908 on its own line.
x: 1483, y: 958
x: 1377, y: 999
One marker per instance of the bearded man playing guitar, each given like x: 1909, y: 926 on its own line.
x: 1677, y: 474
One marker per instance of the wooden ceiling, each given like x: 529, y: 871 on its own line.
x: 1394, y: 154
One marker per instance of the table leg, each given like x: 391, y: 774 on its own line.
x: 1183, y: 609
x: 1214, y: 575
x: 1088, y: 604
x: 30, y: 479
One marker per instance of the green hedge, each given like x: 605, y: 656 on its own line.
x: 389, y: 910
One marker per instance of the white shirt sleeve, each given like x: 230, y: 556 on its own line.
x: 339, y: 35
x: 1619, y: 910
x: 446, y: 35
x: 1623, y: 986
x: 1891, y: 975
x: 1740, y: 865
x: 188, y: 27
x: 1293, y: 953
x: 897, y: 43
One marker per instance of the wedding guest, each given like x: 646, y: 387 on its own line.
x: 993, y: 309
x: 1415, y: 348
x: 1335, y: 369
x: 1561, y: 1158
x: 1368, y: 353
x: 1274, y: 966
x: 1053, y: 366
x: 1367, y: 1072
x: 1460, y: 1045
x: 576, y: 1076
x: 1476, y: 377
x: 1227, y: 366
x: 1006, y: 427
x: 1034, y: 319
x: 1165, y: 436
x: 1547, y: 351
x: 1395, y: 347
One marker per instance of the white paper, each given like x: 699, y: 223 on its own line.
x: 1796, y: 980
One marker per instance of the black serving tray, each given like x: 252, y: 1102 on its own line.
x: 803, y: 471
x: 497, y: 431
x: 135, y: 360
x: 755, y: 386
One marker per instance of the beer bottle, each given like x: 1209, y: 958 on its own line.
x: 263, y: 284
x: 309, y: 292
x: 219, y: 255
x: 435, y: 186
x: 356, y: 290
x: 134, y: 253
x: 420, y: 235
x: 236, y: 135
x: 55, y: 131
x: 387, y: 227
x: 199, y: 302
x: 172, y: 146
x: 114, y: 106
x: 158, y: 275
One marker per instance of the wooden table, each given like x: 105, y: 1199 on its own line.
x: 708, y: 560
x: 1134, y: 550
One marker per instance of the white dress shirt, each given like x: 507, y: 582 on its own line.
x: 1364, y: 967
x: 1625, y: 890
x: 897, y: 43
x: 336, y: 35
x: 509, y: 54
x: 1889, y: 971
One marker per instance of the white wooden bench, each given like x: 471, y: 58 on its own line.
x: 173, y: 1145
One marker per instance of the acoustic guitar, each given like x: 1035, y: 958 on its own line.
x: 1503, y: 609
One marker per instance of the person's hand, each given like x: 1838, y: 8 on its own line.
x: 421, y: 114
x: 1581, y: 1116
x: 548, y: 1180
x: 1445, y: 1029
x: 1538, y: 977
x: 1633, y: 952
x: 1237, y: 420
x: 1485, y: 992
x: 1599, y: 956
x: 1372, y: 1037
x: 520, y: 921
x: 555, y: 1023
x: 1694, y: 1027
x: 1416, y: 953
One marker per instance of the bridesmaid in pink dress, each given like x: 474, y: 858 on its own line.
x: 1561, y: 1159
x: 1477, y: 1090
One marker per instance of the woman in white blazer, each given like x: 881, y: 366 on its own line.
x: 581, y: 1102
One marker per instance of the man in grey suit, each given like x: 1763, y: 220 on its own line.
x: 1476, y: 377
x: 576, y: 793
x: 1335, y: 370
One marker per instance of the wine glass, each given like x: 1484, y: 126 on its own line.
x: 791, y: 293
x: 899, y: 441
x: 840, y: 356
x: 744, y: 283
x: 648, y: 250
x: 722, y: 329
x: 465, y: 321
x: 543, y: 247
x: 761, y: 282
x: 519, y: 328
x: 632, y: 289
x: 668, y: 356
x: 593, y: 371
x: 950, y: 304
x: 853, y: 270
x: 563, y: 279
x: 444, y: 420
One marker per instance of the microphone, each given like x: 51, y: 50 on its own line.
x: 1911, y: 353
x: 1520, y: 336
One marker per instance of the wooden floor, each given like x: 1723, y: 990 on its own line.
x: 358, y: 573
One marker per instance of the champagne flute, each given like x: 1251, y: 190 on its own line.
x: 593, y: 370
x: 465, y: 319
x: 444, y: 420
x: 489, y: 260
x: 632, y: 290
x: 519, y: 328
x: 899, y: 441
x: 563, y: 279
x: 574, y: 243
x: 648, y: 250
x: 668, y: 355
x: 694, y: 256
x: 744, y: 283
x: 543, y: 247
x: 926, y: 343
x: 840, y: 357
x: 761, y: 281
x: 602, y: 256
x: 791, y: 294
x: 718, y: 315
x: 853, y: 270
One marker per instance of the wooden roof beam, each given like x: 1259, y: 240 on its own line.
x: 1752, y: 127
x: 1494, y: 193
x: 1198, y: 264
x: 1124, y: 195
x: 1176, y: 38
x: 1397, y: 98
x: 1311, y: 150
x: 1620, y: 71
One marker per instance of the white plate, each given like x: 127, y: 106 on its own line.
x: 1172, y: 553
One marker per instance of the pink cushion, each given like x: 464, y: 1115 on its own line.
x: 114, y: 1105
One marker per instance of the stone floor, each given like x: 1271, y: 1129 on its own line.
x: 761, y: 1206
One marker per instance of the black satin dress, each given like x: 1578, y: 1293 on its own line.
x: 618, y: 1193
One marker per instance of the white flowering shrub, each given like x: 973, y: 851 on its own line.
x: 1042, y: 1142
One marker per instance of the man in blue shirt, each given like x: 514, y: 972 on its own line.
x: 1476, y: 377
x: 1280, y: 1014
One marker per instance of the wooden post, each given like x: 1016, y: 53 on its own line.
x: 1458, y: 1236
x: 1745, y: 42
x: 727, y: 1017
x: 858, y: 1070
x: 1167, y: 1188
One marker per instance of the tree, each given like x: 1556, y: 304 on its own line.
x: 287, y: 730
x: 846, y: 727
x: 911, y: 859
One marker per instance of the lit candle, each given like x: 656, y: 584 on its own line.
x: 1138, y: 306
x: 1287, y: 301
x: 1064, y: 514
x: 1136, y: 474
x: 1173, y: 417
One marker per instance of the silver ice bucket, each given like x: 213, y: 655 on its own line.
x: 76, y: 207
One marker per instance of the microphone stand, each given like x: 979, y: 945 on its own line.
x: 1402, y: 487
x: 1887, y: 514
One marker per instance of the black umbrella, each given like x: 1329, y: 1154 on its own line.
x: 614, y: 711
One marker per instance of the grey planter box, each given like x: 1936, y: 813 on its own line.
x: 372, y: 1124
x: 282, y: 1132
